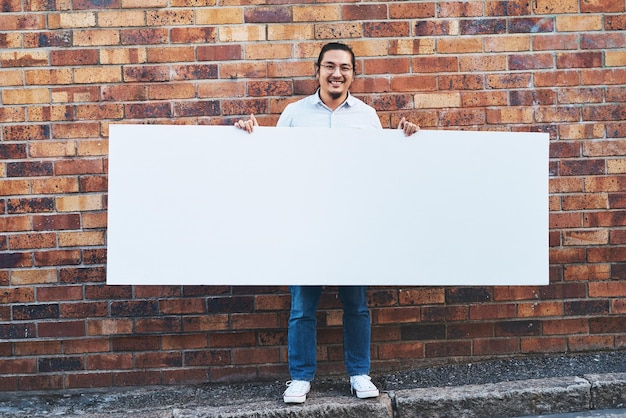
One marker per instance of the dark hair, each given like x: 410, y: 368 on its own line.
x: 335, y: 46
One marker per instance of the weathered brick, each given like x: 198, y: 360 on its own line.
x: 247, y: 33
x: 92, y: 75
x: 57, y: 257
x: 578, y: 60
x: 290, y: 32
x: 165, y: 17
x: 387, y: 66
x: 250, y: 70
x: 386, y: 29
x: 219, y: 16
x: 482, y: 26
x: 576, y: 23
x: 267, y: 14
x: 461, y: 45
x: 603, y: 77
x: 105, y: 292
x: 409, y: 350
x: 615, y: 22
x: 81, y: 310
x: 435, y: 64
x: 144, y: 36
x: 460, y: 9
x: 550, y: 7
x: 436, y: 28
x: 338, y: 30
x: 411, y: 10
x: 495, y: 346
x: 448, y: 348
x: 170, y: 54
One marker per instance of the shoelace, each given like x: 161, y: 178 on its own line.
x: 362, y: 382
x: 296, y: 385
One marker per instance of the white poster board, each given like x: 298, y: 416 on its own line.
x: 207, y: 205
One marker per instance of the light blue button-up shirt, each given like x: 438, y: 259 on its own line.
x: 312, y: 112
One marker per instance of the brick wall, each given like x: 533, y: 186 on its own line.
x: 69, y: 68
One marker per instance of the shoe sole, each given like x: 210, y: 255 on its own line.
x: 367, y: 394
x: 294, y: 399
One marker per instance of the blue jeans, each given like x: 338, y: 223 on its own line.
x: 302, y: 331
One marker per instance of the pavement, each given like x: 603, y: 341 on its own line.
x: 592, y: 384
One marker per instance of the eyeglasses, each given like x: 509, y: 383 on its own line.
x: 329, y: 68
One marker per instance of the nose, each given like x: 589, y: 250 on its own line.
x: 336, y: 70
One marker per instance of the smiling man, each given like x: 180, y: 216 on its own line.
x: 332, y: 106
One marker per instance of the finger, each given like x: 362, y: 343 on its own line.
x: 409, y: 128
x: 402, y: 123
x: 254, y: 121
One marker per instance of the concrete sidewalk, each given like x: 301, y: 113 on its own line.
x: 331, y: 398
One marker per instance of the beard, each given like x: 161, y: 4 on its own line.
x: 335, y: 95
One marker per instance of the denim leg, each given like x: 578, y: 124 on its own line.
x: 356, y: 329
x: 302, y: 341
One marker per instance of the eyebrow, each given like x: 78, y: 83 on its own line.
x: 333, y: 63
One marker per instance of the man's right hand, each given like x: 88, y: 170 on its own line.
x: 247, y: 125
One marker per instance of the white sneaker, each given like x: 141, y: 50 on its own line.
x: 363, y: 387
x: 296, y: 391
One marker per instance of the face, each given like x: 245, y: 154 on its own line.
x: 335, y: 84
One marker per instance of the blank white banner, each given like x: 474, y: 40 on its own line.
x: 214, y: 205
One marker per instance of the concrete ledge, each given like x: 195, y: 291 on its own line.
x: 518, y: 398
x: 607, y: 390
x: 506, y: 399
x: 331, y: 407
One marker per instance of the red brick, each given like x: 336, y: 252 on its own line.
x: 460, y: 9
x: 482, y: 26
x: 88, y: 380
x: 232, y: 339
x: 448, y: 349
x: 206, y: 323
x: 185, y: 376
x: 158, y: 360
x: 411, y: 10
x: 601, y: 6
x: 386, y: 29
x: 207, y: 358
x: 201, y: 35
x: 493, y: 346
x: 47, y: 381
x: 57, y: 257
x: 565, y: 326
x: 81, y: 310
x: 182, y: 306
x: 433, y: 28
x: 364, y: 12
x: 395, y: 315
x: 605, y: 219
x: 544, y: 345
x: 499, y: 311
x: 139, y: 378
x: 37, y: 348
x: 590, y: 343
x: 603, y: 77
x: 615, y: 22
x: 435, y: 64
x: 468, y: 330
x: 534, y: 61
x: 64, y: 329
x: 407, y: 350
x: 144, y: 36
x: 184, y: 341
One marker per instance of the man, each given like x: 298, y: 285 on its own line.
x: 331, y: 106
